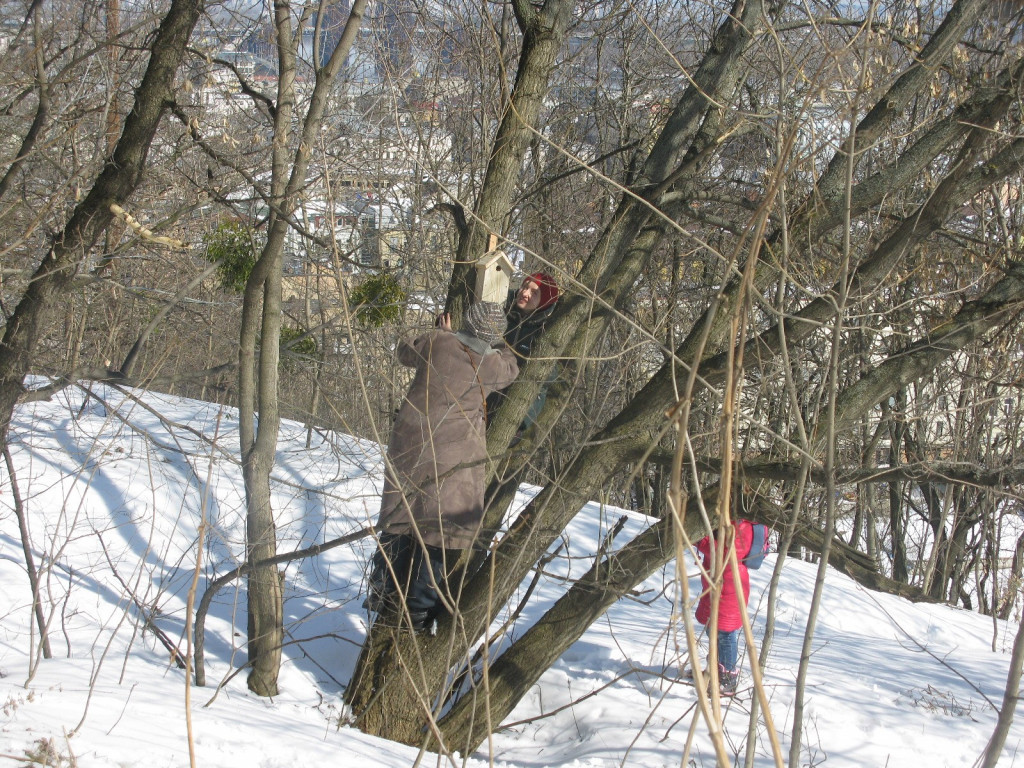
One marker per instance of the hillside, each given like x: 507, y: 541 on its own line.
x: 118, y: 488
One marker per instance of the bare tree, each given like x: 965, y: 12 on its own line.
x: 542, y: 27
x: 261, y: 319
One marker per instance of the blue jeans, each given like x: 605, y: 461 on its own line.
x: 728, y: 649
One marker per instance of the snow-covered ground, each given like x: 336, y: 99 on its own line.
x: 117, y: 492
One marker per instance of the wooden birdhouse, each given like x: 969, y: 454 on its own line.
x: 493, y: 273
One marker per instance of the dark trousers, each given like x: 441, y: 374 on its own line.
x: 404, y: 574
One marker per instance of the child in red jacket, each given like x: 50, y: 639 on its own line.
x: 730, y: 620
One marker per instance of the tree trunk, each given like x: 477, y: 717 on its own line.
x: 543, y: 28
x: 897, y: 520
x: 1013, y: 582
x: 1010, y: 697
x: 259, y: 415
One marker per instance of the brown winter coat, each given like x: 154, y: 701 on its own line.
x: 434, y: 483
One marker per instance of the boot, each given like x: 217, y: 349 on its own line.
x: 727, y: 681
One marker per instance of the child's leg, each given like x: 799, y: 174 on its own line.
x: 728, y: 656
x: 728, y: 649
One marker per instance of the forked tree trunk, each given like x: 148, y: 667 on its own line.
x: 398, y: 678
x: 259, y: 415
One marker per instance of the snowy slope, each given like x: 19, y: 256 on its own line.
x: 118, y: 488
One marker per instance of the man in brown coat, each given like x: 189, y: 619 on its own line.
x: 433, y: 498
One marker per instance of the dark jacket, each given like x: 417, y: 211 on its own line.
x: 524, y: 329
x: 729, y: 617
x: 521, y: 334
x: 434, y: 480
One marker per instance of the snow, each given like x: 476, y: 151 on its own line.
x: 118, y: 486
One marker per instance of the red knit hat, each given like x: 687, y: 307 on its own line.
x: 548, y: 288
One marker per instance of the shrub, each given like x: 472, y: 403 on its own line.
x: 378, y: 300
x: 232, y: 247
x: 295, y: 343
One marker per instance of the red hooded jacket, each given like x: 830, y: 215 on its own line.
x: 728, y: 608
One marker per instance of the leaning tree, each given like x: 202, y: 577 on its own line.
x: 110, y: 183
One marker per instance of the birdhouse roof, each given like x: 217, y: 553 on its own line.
x: 494, y: 258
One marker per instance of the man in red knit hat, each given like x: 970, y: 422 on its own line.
x: 528, y: 310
